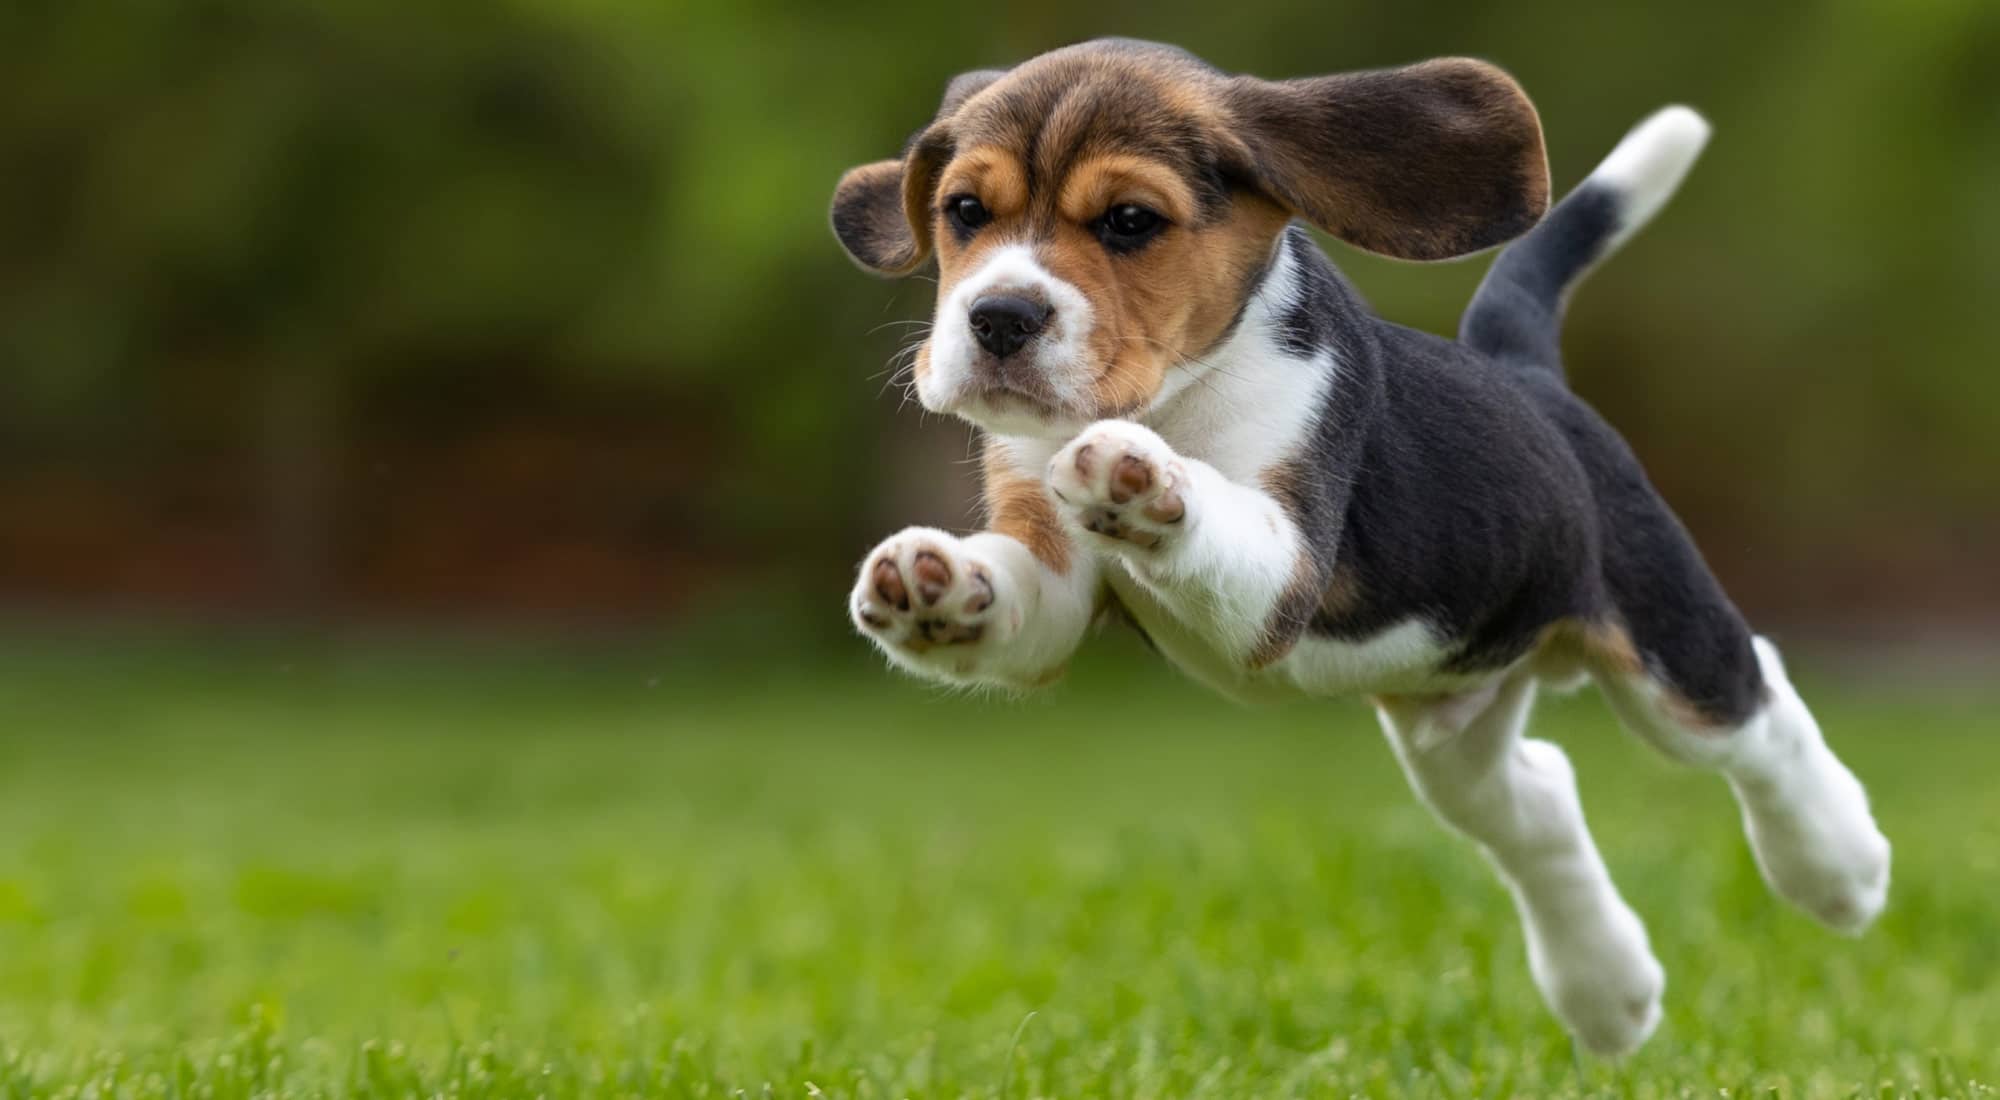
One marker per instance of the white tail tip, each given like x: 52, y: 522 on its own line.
x: 1648, y: 166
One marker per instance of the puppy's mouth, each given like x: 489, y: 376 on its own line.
x: 1016, y: 402
x: 1012, y: 380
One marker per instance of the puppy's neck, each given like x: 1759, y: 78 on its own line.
x: 1300, y: 352
x: 1300, y: 340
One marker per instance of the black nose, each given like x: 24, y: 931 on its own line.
x: 1003, y: 322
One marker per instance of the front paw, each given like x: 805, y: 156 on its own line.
x: 933, y: 604
x: 1121, y: 482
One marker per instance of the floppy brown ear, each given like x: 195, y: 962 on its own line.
x: 881, y: 211
x: 1425, y: 162
x: 869, y: 219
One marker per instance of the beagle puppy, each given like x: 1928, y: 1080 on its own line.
x: 1190, y: 417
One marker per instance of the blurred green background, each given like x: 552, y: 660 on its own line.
x: 488, y: 374
x: 526, y: 313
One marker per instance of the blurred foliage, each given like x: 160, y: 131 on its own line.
x: 606, y: 218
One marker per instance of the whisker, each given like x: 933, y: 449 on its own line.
x: 899, y: 362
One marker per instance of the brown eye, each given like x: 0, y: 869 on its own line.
x: 1128, y: 225
x: 966, y: 212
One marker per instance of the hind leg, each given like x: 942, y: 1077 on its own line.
x: 1806, y: 814
x: 1683, y: 671
x: 1467, y: 759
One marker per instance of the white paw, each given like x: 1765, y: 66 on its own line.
x: 1601, y: 979
x: 1588, y: 950
x: 1121, y: 483
x: 1818, y: 845
x: 1807, y: 815
x: 934, y: 605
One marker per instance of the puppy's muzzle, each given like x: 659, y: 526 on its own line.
x: 1004, y: 323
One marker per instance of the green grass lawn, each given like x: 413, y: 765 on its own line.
x: 240, y: 874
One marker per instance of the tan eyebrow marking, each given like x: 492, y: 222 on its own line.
x: 1094, y: 185
x: 993, y: 174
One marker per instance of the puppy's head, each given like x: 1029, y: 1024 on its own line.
x: 1100, y: 213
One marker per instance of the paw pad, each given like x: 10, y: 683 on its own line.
x: 932, y: 574
x: 922, y: 591
x: 1119, y: 481
x: 889, y: 585
x: 1130, y: 477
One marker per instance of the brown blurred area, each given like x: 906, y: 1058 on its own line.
x: 505, y: 317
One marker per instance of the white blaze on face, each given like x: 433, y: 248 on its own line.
x: 1059, y: 354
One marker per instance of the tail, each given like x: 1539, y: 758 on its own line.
x: 1516, y: 315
